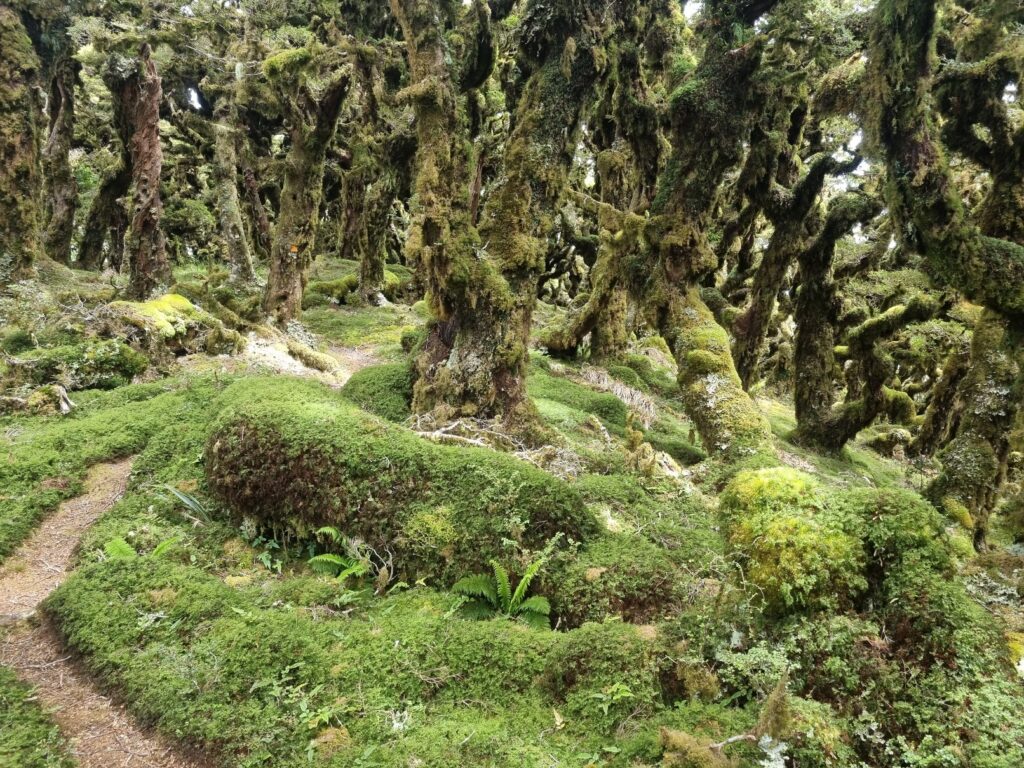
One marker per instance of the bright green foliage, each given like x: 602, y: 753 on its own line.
x: 28, y: 738
x: 491, y: 595
x: 607, y: 407
x: 383, y: 390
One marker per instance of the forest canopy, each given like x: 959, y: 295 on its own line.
x: 655, y: 364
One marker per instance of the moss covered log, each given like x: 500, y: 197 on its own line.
x: 293, y: 458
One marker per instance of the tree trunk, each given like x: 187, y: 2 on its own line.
x: 136, y: 90
x: 101, y: 218
x: 974, y: 463
x: 820, y: 423
x: 372, y: 239
x: 299, y: 216
x: 942, y: 417
x: 728, y: 421
x: 259, y: 221
x: 20, y: 179
x: 60, y: 186
x: 229, y: 213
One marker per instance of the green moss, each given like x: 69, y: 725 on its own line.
x: 48, y: 457
x: 793, y: 554
x: 28, y: 737
x: 606, y: 407
x: 628, y: 376
x: 92, y: 364
x: 294, y: 457
x: 605, y: 673
x: 383, y: 390
x: 173, y: 322
x: 288, y: 62
x: 620, y: 575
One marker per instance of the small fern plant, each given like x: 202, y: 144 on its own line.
x: 490, y: 595
x: 333, y: 564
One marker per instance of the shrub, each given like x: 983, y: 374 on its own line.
x: 294, y: 457
x: 383, y: 390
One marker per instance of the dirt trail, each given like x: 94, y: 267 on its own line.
x: 100, y: 733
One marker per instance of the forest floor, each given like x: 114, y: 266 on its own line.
x: 147, y: 608
x: 99, y: 733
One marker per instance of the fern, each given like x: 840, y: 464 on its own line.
x: 164, y: 547
x: 119, y: 549
x: 502, y: 585
x: 524, y: 584
x: 330, y: 532
x: 489, y: 594
x: 477, y: 586
x: 329, y: 564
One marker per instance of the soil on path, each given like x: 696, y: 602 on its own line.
x: 100, y: 733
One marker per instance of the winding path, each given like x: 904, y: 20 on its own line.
x: 100, y: 733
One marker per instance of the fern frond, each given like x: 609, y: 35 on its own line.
x: 358, y: 568
x: 535, y: 620
x: 330, y: 532
x: 524, y: 584
x: 536, y: 604
x: 503, y: 585
x: 165, y: 546
x: 329, y: 563
x: 478, y: 609
x: 478, y: 586
x: 119, y: 549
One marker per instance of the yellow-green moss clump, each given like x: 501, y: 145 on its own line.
x: 793, y: 553
x: 174, y: 323
x: 295, y: 457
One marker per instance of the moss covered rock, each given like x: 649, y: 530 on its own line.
x: 90, y: 364
x: 294, y: 457
x: 172, y: 323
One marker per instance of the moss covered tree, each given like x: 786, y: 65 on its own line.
x: 984, y: 265
x: 136, y: 90
x: 311, y: 95
x: 20, y: 177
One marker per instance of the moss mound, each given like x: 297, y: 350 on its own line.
x: 28, y: 738
x: 383, y: 390
x: 792, y: 550
x: 544, y: 386
x: 618, y: 575
x: 91, y: 364
x: 172, y: 323
x: 294, y: 457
